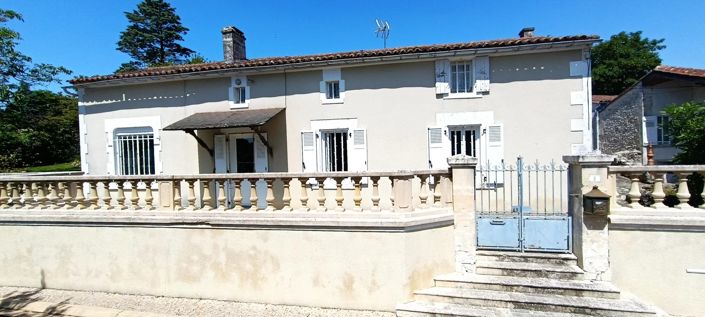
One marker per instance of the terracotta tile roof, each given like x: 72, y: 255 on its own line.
x: 603, y: 98
x: 692, y: 72
x: 287, y: 60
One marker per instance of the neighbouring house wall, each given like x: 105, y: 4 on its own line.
x: 530, y: 94
x: 287, y: 265
x: 621, y: 126
x: 651, y: 264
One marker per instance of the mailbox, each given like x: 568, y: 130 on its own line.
x: 595, y: 202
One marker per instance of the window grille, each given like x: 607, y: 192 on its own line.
x: 335, y: 151
x: 332, y: 90
x: 461, y: 79
x: 134, y: 152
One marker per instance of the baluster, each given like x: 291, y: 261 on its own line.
x: 206, y: 203
x: 253, y: 195
x: 391, y: 194
x: 437, y: 202
x: 375, y: 193
x: 423, y: 191
x: 106, y: 195
x: 15, y: 194
x: 683, y: 194
x: 634, y: 192
x: 67, y: 197
x: 221, y: 194
x: 53, y: 196
x: 176, y: 185
x: 321, y: 199
x: 658, y: 193
x: 339, y: 198
x: 3, y: 196
x: 134, y: 195
x: 148, y: 198
x: 81, y: 202
x: 41, y: 196
x: 304, y: 194
x: 120, y: 195
x: 357, y: 193
x: 286, y: 196
x: 29, y: 199
x: 191, y: 194
x: 237, y: 195
x: 269, y: 195
x: 93, y: 195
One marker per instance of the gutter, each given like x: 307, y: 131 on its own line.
x: 350, y: 61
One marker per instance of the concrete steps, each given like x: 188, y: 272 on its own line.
x: 522, y: 284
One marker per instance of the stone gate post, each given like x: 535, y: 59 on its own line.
x: 465, y: 231
x: 590, y: 233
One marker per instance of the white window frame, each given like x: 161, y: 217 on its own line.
x: 238, y: 83
x: 332, y: 75
x: 137, y: 140
x: 451, y: 81
x: 663, y: 136
x: 114, y: 125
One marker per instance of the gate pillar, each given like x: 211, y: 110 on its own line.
x: 465, y: 230
x: 590, y: 232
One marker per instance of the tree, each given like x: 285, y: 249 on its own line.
x: 622, y: 60
x: 686, y: 124
x: 152, y: 37
x: 17, y: 69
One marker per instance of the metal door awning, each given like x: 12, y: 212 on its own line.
x: 225, y: 119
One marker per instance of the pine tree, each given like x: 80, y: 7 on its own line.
x: 152, y: 37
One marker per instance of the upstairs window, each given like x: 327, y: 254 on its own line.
x: 663, y: 136
x: 239, y: 95
x: 333, y: 90
x: 461, y: 79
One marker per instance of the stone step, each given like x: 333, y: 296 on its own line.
x: 522, y: 269
x: 532, y: 257
x: 535, y: 302
x: 580, y: 288
x: 423, y: 309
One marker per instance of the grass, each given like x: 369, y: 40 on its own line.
x: 61, y: 167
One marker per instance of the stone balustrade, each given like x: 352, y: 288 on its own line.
x: 284, y: 192
x: 648, y: 187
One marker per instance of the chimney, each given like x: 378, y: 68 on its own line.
x: 233, y: 44
x: 526, y: 32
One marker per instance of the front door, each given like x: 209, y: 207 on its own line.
x: 242, y: 153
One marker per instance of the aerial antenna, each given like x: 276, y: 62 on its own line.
x: 382, y: 30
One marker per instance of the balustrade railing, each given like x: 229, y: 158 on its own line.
x: 284, y: 192
x: 658, y: 187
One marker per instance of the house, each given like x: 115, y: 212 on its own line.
x: 598, y: 102
x: 384, y: 109
x: 635, y: 118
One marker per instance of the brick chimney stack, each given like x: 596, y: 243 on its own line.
x: 526, y: 32
x: 233, y: 44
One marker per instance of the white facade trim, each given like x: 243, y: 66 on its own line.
x: 153, y: 122
x: 83, y: 142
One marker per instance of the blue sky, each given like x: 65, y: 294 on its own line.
x: 81, y: 34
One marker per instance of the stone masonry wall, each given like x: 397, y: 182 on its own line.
x: 620, y: 126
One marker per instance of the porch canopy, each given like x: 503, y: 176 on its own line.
x: 224, y: 119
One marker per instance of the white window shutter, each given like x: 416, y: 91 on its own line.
x: 442, y: 76
x: 261, y: 157
x: 219, y: 153
x: 495, y: 154
x: 341, y: 87
x: 481, y: 68
x: 323, y: 90
x: 308, y: 151
x: 438, y: 148
x: 650, y: 129
x: 358, y: 155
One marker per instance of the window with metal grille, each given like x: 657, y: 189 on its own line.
x: 463, y: 141
x: 134, y: 151
x: 461, y: 79
x: 335, y: 151
x: 663, y: 136
x: 239, y: 94
x: 333, y: 90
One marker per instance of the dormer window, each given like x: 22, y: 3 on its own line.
x: 332, y: 87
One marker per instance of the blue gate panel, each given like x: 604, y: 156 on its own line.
x: 548, y: 233
x: 498, y: 232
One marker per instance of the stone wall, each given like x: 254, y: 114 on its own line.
x: 621, y: 125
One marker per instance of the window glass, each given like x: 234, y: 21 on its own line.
x: 333, y: 90
x: 463, y: 141
x: 134, y: 151
x: 461, y: 79
x: 335, y: 151
x: 240, y: 96
x: 245, y: 155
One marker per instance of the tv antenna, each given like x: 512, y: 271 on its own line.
x: 382, y: 30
